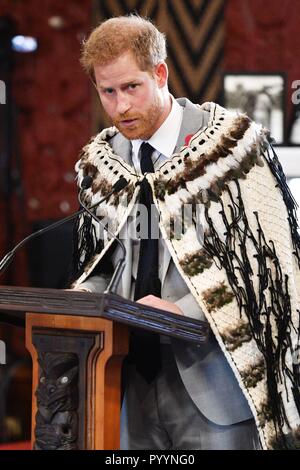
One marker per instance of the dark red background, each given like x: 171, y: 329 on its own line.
x: 52, y: 94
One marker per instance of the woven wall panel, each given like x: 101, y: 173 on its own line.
x: 195, y: 32
x: 109, y: 8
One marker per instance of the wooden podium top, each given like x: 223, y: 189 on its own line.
x: 16, y: 301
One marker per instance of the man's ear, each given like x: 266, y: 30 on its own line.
x: 161, y: 73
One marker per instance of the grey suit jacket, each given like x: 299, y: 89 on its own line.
x: 204, y: 370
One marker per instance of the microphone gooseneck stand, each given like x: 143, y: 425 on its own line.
x: 119, y: 185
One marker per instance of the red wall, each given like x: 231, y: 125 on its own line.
x: 263, y: 36
x: 53, y: 97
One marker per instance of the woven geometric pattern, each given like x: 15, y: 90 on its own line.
x: 248, y: 293
x: 195, y: 34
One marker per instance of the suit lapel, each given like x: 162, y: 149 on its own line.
x: 193, y: 119
x: 122, y: 147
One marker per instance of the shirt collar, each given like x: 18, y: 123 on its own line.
x: 165, y: 138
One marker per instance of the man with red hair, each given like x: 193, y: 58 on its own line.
x: 225, y: 394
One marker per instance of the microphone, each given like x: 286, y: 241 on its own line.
x: 118, y: 186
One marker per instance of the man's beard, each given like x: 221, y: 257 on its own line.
x: 146, y: 123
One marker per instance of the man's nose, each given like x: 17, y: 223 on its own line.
x: 123, y: 103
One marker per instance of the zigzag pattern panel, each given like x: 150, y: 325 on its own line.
x: 109, y: 8
x: 195, y: 36
x: 195, y: 32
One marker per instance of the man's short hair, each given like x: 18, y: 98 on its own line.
x: 117, y: 35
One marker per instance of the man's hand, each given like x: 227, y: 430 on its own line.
x: 156, y: 302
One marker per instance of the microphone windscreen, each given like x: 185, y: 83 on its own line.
x: 120, y: 184
x: 86, y: 182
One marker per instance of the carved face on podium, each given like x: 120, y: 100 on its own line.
x: 57, y: 400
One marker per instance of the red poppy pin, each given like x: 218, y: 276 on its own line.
x: 188, y: 139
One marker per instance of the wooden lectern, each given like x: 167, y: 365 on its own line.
x: 77, y: 342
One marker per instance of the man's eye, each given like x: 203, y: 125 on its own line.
x: 132, y: 86
x: 106, y: 91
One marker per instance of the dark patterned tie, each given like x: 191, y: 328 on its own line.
x: 147, y: 281
x: 145, y: 346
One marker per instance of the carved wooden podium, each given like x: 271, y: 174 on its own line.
x: 77, y: 342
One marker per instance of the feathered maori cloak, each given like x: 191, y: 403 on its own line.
x: 239, y: 252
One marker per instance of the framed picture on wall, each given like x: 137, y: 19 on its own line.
x: 294, y: 129
x: 261, y: 96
